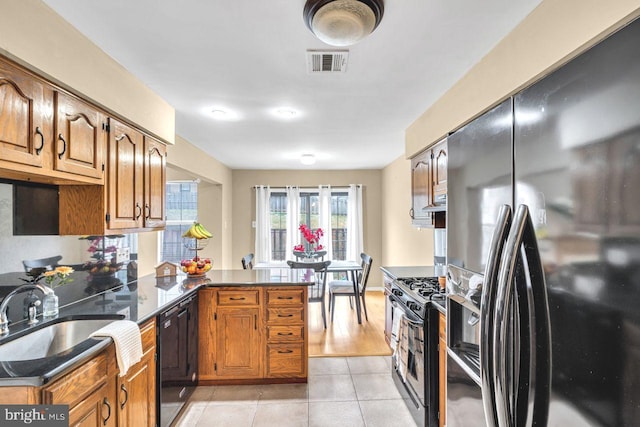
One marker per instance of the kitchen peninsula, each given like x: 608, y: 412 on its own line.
x: 251, y: 329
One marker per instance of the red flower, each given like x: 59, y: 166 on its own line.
x: 312, y: 238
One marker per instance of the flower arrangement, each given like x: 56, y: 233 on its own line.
x: 313, y: 240
x: 57, y: 277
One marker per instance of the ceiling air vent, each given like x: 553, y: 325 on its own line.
x: 327, y: 61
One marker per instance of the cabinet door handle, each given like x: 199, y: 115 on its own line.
x: 285, y: 297
x: 126, y: 396
x: 64, y: 146
x: 39, y: 149
x: 285, y: 315
x: 285, y: 334
x: 285, y: 351
x: 255, y: 322
x: 139, y: 208
x: 147, y: 211
x: 411, y: 213
x: 106, y: 403
x: 236, y: 299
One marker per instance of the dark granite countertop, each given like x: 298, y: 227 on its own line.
x: 409, y: 271
x: 138, y: 301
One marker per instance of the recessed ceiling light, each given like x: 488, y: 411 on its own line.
x: 307, y: 159
x: 286, y: 113
x: 219, y: 114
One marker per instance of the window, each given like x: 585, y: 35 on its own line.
x: 181, y: 212
x: 309, y: 215
x: 278, y: 207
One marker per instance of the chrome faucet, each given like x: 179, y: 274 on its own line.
x: 4, y: 322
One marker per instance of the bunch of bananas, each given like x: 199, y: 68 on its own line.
x: 197, y: 231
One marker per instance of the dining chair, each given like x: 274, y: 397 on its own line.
x: 39, y: 266
x: 317, y: 291
x: 247, y: 262
x: 345, y: 287
x: 318, y: 255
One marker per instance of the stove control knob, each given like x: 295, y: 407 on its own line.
x: 397, y: 292
x: 412, y: 305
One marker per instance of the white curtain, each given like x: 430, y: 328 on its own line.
x: 293, y: 220
x: 355, y: 244
x: 263, y: 225
x: 324, y: 217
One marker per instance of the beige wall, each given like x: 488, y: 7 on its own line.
x: 186, y: 161
x: 554, y: 32
x: 37, y: 37
x: 244, y: 211
x: 403, y: 244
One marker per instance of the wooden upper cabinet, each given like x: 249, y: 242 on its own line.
x: 155, y: 167
x: 439, y: 162
x: 79, y: 138
x: 125, y: 182
x: 22, y: 137
x: 421, y: 188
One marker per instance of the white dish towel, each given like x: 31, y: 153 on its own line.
x: 126, y: 336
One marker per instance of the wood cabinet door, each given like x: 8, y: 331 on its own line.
x: 421, y: 186
x: 79, y: 138
x: 439, y: 161
x: 136, y: 396
x: 22, y: 131
x: 124, y: 188
x: 96, y: 410
x: 206, y: 334
x: 238, y: 343
x: 154, y: 183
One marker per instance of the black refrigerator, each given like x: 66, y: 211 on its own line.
x: 543, y: 250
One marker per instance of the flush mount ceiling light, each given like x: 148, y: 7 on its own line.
x: 286, y: 113
x: 342, y: 22
x: 307, y: 159
x: 219, y: 114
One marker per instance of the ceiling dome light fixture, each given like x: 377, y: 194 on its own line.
x: 307, y: 159
x: 342, y: 22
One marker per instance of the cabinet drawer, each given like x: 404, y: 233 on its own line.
x: 285, y: 315
x: 285, y: 333
x: 286, y: 360
x: 285, y: 296
x: 78, y: 384
x: 238, y: 297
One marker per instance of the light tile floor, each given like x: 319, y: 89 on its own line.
x: 341, y: 391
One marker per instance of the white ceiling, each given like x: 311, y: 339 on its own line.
x: 249, y: 56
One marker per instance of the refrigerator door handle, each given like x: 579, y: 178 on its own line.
x: 521, y: 336
x: 539, y: 327
x: 487, y: 305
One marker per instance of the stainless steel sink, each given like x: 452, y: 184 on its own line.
x: 50, y: 339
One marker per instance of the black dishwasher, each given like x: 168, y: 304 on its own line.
x: 178, y: 364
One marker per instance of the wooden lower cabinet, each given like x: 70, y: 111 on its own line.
x: 97, y: 396
x: 136, y: 390
x: 252, y: 335
x: 239, y: 342
x: 442, y: 370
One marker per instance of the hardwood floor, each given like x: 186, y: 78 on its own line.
x: 344, y: 337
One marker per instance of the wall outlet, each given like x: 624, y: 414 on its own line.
x: 122, y: 255
x: 253, y: 224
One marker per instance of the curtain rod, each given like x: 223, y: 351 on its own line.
x: 307, y: 187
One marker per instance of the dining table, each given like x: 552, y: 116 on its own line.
x: 351, y: 268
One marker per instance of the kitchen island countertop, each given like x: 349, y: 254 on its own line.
x: 138, y: 301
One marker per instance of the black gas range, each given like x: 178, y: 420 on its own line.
x: 415, y: 322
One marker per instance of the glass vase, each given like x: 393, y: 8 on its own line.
x: 50, y: 305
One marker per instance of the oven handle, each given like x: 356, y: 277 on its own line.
x: 408, y: 315
x: 487, y: 305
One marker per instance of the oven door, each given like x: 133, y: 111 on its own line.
x: 409, y: 360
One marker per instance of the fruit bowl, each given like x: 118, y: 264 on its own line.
x: 196, y: 267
